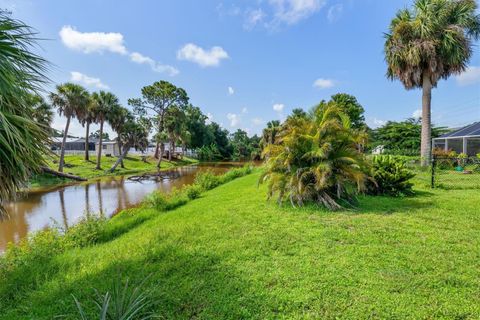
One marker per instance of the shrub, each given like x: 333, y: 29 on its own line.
x: 87, y: 231
x: 316, y: 159
x: 391, y: 177
x: 207, y: 180
x: 193, y: 192
x: 166, y: 201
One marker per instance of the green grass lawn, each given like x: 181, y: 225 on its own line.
x: 233, y: 255
x: 76, y: 165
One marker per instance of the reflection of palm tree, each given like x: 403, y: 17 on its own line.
x: 87, y: 198
x: 62, y: 207
x: 99, y: 195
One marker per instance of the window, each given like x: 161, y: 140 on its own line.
x: 104, y: 146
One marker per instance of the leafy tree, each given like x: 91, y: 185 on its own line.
x: 117, y: 119
x: 71, y: 101
x: 351, y: 107
x: 298, y: 113
x: 241, y: 145
x: 23, y: 143
x: 316, y: 159
x: 175, y: 125
x: 197, y: 127
x: 103, y: 105
x: 86, y: 118
x: 269, y: 134
x: 42, y: 112
x: 156, y: 100
x: 401, y: 137
x: 96, y: 135
x: 429, y: 42
x: 220, y: 139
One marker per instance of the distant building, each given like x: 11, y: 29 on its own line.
x: 378, y: 149
x: 464, y: 140
x: 73, y: 144
x: 109, y: 148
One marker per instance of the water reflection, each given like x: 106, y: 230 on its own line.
x: 66, y: 205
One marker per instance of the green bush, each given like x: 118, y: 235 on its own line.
x: 166, y: 201
x: 391, y: 177
x: 207, y: 180
x: 193, y: 192
x: 87, y: 231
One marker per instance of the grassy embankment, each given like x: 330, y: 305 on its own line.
x: 231, y: 254
x: 76, y: 165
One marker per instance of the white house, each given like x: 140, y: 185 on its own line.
x: 109, y: 148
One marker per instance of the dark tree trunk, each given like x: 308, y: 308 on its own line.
x: 156, y: 150
x: 426, y: 144
x: 162, y: 149
x: 62, y: 149
x: 62, y: 175
x: 87, y: 155
x: 119, y: 141
x: 120, y: 159
x: 100, y: 145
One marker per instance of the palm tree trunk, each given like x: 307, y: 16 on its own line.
x: 87, y: 156
x: 62, y: 149
x: 156, y: 150
x: 100, y: 145
x: 120, y: 159
x: 119, y: 141
x: 159, y: 162
x: 426, y: 145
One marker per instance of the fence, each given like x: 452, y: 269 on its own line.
x: 455, y: 173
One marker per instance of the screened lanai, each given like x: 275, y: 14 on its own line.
x: 465, y: 140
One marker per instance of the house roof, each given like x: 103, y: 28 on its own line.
x: 471, y: 130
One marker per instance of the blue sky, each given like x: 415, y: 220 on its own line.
x: 242, y: 62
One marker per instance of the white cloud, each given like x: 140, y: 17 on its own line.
x: 375, y: 123
x: 231, y: 91
x: 234, y: 119
x: 470, y: 76
x: 89, y: 42
x: 334, y: 12
x: 324, y: 83
x: 257, y: 121
x: 76, y: 76
x: 244, y: 110
x: 292, y: 11
x: 209, y: 118
x: 205, y: 58
x: 157, y: 67
x: 278, y: 107
x: 252, y: 18
x: 417, y: 114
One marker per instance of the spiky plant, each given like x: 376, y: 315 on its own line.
x: 315, y: 159
x: 429, y: 42
x: 23, y: 143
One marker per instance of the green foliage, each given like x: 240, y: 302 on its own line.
x: 162, y: 201
x: 207, y: 180
x: 391, y: 177
x: 87, y: 231
x: 123, y: 303
x: 349, y: 105
x: 316, y: 159
x: 193, y: 192
x: 23, y: 140
x: 209, y: 152
x: 402, y: 138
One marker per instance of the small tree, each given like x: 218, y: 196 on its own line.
x: 156, y: 100
x: 429, y: 42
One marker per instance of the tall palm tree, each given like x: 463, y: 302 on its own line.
x: 270, y: 133
x: 23, y: 143
x: 429, y: 42
x: 104, y: 103
x: 71, y: 100
x: 86, y: 119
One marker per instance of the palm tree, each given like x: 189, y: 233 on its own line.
x: 117, y: 119
x: 270, y: 133
x: 429, y: 42
x: 42, y: 112
x: 86, y: 119
x: 316, y: 159
x: 23, y: 143
x: 71, y: 101
x: 174, y: 125
x: 104, y: 103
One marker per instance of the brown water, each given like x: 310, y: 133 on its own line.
x: 65, y: 205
